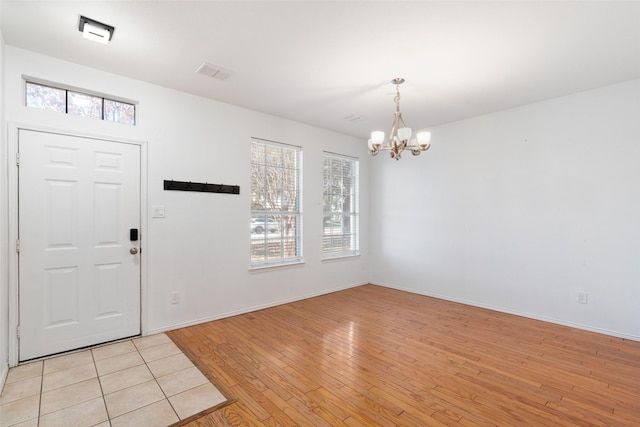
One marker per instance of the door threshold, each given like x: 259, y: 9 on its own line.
x: 77, y: 350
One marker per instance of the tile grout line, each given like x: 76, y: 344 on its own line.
x: 137, y: 350
x: 161, y: 389
x: 104, y: 402
x: 155, y: 379
x: 40, y: 396
x: 158, y: 383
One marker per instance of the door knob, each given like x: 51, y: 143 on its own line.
x: 133, y: 251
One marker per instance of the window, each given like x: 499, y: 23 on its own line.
x: 119, y: 112
x: 341, y: 211
x: 46, y: 98
x: 79, y: 104
x: 83, y: 105
x: 276, y: 213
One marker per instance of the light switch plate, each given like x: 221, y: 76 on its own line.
x: 157, y: 211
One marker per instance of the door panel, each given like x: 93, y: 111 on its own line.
x: 79, y: 284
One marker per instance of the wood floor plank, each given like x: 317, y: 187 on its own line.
x: 374, y: 356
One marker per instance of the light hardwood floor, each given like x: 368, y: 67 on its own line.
x: 372, y: 356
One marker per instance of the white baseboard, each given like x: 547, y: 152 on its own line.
x: 516, y: 313
x: 249, y: 309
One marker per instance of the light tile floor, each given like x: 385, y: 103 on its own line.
x: 145, y: 381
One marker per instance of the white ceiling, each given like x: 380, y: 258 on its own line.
x: 318, y: 62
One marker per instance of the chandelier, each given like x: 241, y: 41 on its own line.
x: 400, y: 135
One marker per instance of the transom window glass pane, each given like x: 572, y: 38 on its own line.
x: 276, y: 216
x: 340, y: 206
x: 119, y: 112
x: 46, y: 98
x: 80, y: 104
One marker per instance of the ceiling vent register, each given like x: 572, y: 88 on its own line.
x: 214, y: 71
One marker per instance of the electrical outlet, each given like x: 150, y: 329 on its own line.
x: 175, y: 297
x: 582, y: 297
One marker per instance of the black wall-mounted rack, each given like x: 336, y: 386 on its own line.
x: 202, y: 187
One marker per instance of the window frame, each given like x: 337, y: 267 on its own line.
x: 353, y: 212
x: 294, y: 216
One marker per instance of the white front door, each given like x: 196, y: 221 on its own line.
x: 79, y: 280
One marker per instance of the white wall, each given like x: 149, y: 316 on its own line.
x: 521, y: 209
x: 4, y: 319
x: 201, y: 248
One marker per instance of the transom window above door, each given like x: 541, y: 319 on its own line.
x: 77, y: 103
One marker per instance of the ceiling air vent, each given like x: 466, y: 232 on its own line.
x: 355, y: 118
x: 213, y: 71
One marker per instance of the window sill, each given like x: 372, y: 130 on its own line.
x: 267, y: 267
x: 340, y: 258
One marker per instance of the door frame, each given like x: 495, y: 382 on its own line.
x: 13, y: 130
